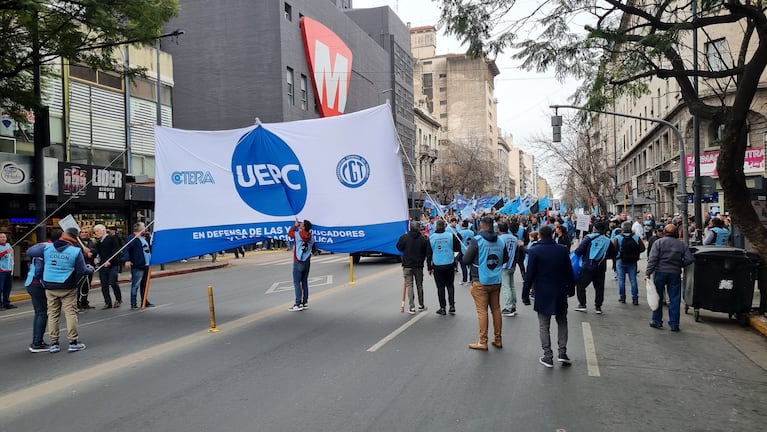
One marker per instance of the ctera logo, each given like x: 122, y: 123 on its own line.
x: 190, y: 177
x: 268, y: 175
x: 330, y: 62
x: 353, y: 171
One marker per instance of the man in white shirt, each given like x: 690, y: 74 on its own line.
x: 637, y: 227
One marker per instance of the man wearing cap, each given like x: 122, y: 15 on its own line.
x: 64, y: 264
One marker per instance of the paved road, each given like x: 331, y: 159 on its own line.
x: 273, y: 370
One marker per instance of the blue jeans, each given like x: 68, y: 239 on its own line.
x: 508, y: 293
x: 630, y: 269
x: 672, y: 282
x: 136, y: 276
x: 301, y: 280
x: 6, y: 284
x: 40, y: 305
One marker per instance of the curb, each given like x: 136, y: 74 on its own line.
x: 158, y: 274
x: 759, y: 323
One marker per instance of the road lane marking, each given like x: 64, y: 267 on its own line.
x: 591, y: 350
x: 46, y: 392
x: 396, y: 333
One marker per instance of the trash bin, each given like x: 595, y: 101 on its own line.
x: 721, y: 280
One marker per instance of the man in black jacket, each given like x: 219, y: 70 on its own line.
x: 413, y: 247
x: 109, y: 259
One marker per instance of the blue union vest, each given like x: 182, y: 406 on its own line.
x: 490, y: 261
x: 721, y: 236
x: 442, y: 248
x: 59, y: 265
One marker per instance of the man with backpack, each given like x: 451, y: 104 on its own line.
x: 594, y: 251
x: 628, y: 246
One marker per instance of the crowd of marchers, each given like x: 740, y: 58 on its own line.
x: 555, y: 261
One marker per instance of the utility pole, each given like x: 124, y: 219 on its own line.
x: 42, y: 138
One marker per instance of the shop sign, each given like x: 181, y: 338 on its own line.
x: 753, y: 163
x: 16, y: 174
x: 91, y: 184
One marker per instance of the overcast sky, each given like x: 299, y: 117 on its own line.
x: 523, y: 97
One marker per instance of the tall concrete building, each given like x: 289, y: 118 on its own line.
x: 459, y: 91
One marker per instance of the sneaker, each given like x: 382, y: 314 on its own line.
x: 76, y: 346
x: 421, y: 308
x: 411, y: 311
x: 117, y: 304
x: 149, y: 304
x: 598, y: 310
x: 37, y: 348
x: 635, y: 302
x: 674, y: 329
x: 506, y: 312
x: 296, y: 308
x: 10, y: 306
x: 580, y: 308
x: 564, y: 359
x: 134, y: 307
x: 451, y: 311
x: 656, y: 325
x: 513, y: 312
x: 54, y: 348
x: 546, y: 361
x: 622, y: 300
x: 306, y: 306
x: 106, y: 306
x: 441, y: 311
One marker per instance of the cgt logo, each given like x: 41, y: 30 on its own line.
x: 330, y: 63
x: 268, y: 175
x: 353, y: 171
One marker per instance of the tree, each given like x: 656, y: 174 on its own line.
x: 576, y: 161
x: 629, y: 42
x: 466, y: 167
x: 82, y: 31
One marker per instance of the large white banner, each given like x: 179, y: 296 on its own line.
x: 217, y: 190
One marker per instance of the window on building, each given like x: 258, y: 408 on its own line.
x: 288, y: 12
x: 443, y: 115
x: 82, y: 72
x: 443, y: 102
x: 717, y: 54
x: 304, y: 93
x: 443, y: 89
x: 717, y: 132
x: 289, y: 78
x: 427, y: 62
x: 442, y: 76
x: 426, y: 80
x: 110, y: 80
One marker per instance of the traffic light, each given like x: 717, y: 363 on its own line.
x: 42, y: 128
x: 556, y: 128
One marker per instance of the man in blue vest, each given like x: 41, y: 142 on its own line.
x: 6, y: 271
x: 302, y: 255
x: 716, y: 234
x: 137, y: 258
x: 508, y: 292
x: 594, y: 251
x: 64, y: 264
x: 486, y: 254
x: 466, y: 235
x: 440, y: 261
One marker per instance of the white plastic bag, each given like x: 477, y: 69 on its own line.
x: 653, y: 300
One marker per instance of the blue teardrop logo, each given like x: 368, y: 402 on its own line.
x: 268, y: 175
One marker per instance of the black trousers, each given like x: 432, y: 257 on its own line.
x: 595, y: 277
x: 444, y: 278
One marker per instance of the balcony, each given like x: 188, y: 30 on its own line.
x: 424, y: 151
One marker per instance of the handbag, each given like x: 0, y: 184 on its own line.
x: 653, y: 299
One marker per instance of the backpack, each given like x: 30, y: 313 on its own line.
x: 628, y: 248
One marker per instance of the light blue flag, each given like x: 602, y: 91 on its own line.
x: 511, y: 207
x: 543, y: 204
x: 524, y: 205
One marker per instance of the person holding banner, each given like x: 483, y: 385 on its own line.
x: 441, y: 263
x: 63, y: 265
x: 137, y: 258
x: 302, y: 255
x: 108, y: 248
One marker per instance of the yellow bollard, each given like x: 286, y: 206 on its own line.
x: 212, y: 328
x: 351, y: 270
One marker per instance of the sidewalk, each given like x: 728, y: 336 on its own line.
x: 19, y: 293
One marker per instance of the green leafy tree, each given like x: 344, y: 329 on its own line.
x: 624, y: 44
x: 82, y: 31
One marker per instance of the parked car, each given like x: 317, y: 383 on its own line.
x: 356, y: 256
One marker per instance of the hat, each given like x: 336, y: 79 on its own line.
x: 72, y: 232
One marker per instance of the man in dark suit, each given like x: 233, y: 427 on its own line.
x: 550, y: 273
